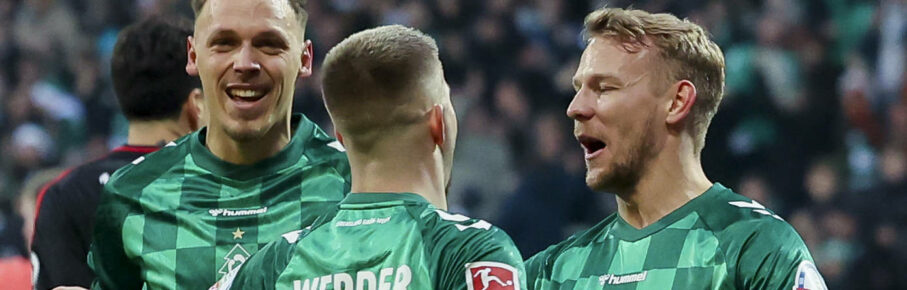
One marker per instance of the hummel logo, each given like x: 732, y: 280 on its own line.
x: 226, y: 212
x: 609, y: 279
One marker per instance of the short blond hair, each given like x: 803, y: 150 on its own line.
x: 685, y: 46
x: 380, y: 78
x: 302, y: 16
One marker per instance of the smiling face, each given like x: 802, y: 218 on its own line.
x: 616, y: 113
x: 248, y: 55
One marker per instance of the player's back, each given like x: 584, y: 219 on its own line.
x: 387, y: 241
x: 65, y: 218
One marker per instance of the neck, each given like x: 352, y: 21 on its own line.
x: 155, y: 132
x: 397, y: 170
x: 251, y: 150
x: 671, y: 180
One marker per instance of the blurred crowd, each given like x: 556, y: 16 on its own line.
x: 813, y: 124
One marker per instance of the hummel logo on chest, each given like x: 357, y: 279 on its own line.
x: 609, y: 279
x: 229, y: 212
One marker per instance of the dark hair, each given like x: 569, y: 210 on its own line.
x: 148, y: 68
x: 298, y: 7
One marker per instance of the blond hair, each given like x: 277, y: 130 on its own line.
x: 683, y: 45
x: 381, y: 78
x: 298, y: 7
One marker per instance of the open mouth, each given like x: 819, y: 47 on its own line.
x: 246, y: 94
x: 591, y: 146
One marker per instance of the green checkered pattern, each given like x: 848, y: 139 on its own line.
x: 381, y: 233
x: 182, y: 218
x: 720, y: 240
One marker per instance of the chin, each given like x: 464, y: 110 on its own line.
x: 246, y: 133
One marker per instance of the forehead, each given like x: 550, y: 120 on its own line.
x: 246, y: 14
x: 607, y: 56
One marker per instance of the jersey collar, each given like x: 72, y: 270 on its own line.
x: 290, y: 155
x: 625, y: 231
x: 358, y: 199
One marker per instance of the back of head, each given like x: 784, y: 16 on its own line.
x: 684, y: 48
x: 148, y: 68
x: 380, y: 80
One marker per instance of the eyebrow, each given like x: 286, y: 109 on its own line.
x: 220, y: 32
x: 597, y: 77
x: 267, y: 34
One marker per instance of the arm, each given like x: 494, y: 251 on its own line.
x: 776, y: 258
x: 486, y: 250
x: 57, y: 244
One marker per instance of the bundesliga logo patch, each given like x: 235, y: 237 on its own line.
x: 808, y: 278
x: 491, y: 276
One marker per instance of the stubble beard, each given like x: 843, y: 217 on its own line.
x: 624, y: 174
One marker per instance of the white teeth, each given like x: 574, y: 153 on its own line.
x: 245, y: 93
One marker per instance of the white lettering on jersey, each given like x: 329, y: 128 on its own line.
x: 337, y: 145
x: 481, y: 224
x: 756, y: 206
x: 363, y: 222
x: 401, y: 278
x: 808, y: 278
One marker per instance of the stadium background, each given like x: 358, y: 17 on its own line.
x: 813, y: 125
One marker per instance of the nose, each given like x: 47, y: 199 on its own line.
x: 581, y: 108
x: 246, y: 62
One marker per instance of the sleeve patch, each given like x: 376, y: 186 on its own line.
x: 808, y: 278
x: 491, y: 276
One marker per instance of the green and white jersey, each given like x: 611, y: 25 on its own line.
x: 719, y: 240
x: 181, y: 218
x: 386, y: 241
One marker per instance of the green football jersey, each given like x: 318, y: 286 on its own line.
x: 181, y: 218
x: 719, y: 240
x: 386, y: 241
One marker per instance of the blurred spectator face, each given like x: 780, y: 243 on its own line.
x: 548, y: 138
x: 248, y: 55
x: 821, y: 183
x: 893, y: 165
x: 615, y: 110
x: 897, y: 119
x: 511, y: 102
x: 31, y: 145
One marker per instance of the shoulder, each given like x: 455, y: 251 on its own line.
x: 444, y: 230
x: 144, y: 169
x: 319, y: 145
x: 547, y: 257
x: 734, y: 217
